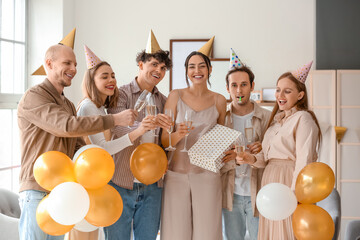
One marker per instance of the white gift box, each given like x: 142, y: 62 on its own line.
x: 209, y: 150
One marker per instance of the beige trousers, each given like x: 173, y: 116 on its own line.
x: 191, y: 207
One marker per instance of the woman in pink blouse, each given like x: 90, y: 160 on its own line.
x: 290, y: 143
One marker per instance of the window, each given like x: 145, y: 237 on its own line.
x: 12, y: 86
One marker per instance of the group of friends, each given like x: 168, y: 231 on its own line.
x: 191, y: 203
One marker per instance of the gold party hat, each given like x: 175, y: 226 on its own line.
x: 206, y: 49
x: 152, y: 45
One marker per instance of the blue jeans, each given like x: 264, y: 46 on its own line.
x: 235, y: 221
x: 28, y: 227
x: 142, y: 207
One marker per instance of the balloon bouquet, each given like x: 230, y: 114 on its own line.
x: 80, y: 196
x: 276, y: 201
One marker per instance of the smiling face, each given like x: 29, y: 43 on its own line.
x: 287, y: 95
x: 61, y: 66
x: 151, y: 72
x: 105, y: 81
x: 240, y: 86
x: 197, y: 70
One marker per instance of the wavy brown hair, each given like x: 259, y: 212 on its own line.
x: 90, y: 90
x: 301, y: 105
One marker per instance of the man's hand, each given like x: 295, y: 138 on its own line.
x: 229, y: 156
x: 125, y: 118
x: 163, y: 121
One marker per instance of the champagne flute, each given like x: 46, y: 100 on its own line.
x: 249, y: 131
x: 240, y: 145
x: 141, y: 101
x: 188, y: 123
x: 170, y: 113
x: 151, y: 110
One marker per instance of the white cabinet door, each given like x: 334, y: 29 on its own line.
x: 348, y: 151
x: 322, y: 100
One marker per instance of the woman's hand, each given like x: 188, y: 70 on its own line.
x: 255, y: 147
x: 181, y: 130
x: 245, y: 157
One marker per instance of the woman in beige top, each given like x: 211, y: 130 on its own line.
x: 290, y: 143
x: 191, y: 206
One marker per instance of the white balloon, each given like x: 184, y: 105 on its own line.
x: 85, y: 226
x: 276, y: 201
x: 82, y: 149
x: 69, y: 203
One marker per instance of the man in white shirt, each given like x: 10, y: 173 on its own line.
x: 241, y: 182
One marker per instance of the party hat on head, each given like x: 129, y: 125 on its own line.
x: 206, y: 49
x: 234, y: 60
x: 302, y: 73
x: 91, y: 59
x: 152, y: 45
x: 68, y: 40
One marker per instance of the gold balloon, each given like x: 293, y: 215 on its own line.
x: 106, y: 206
x: 314, y: 183
x: 94, y: 168
x: 46, y: 223
x: 148, y: 163
x: 311, y: 222
x: 52, y: 168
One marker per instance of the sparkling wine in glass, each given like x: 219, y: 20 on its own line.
x: 141, y: 101
x: 188, y: 120
x: 240, y: 145
x: 249, y: 131
x: 151, y: 110
x: 170, y: 113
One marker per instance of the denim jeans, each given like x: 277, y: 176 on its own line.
x: 235, y: 221
x: 28, y: 227
x: 142, y: 207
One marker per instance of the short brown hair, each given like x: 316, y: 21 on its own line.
x: 90, y: 90
x: 243, y: 68
x: 161, y: 56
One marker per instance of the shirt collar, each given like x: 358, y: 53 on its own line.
x: 135, y: 88
x: 283, y: 115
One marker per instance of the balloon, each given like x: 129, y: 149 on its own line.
x: 52, y: 168
x: 82, y: 149
x: 148, y: 163
x: 68, y: 203
x: 314, y: 183
x: 84, y: 226
x: 312, y: 222
x: 106, y: 206
x: 276, y: 201
x: 94, y: 167
x: 46, y: 223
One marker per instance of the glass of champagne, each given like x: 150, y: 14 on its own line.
x: 188, y: 120
x: 141, y: 101
x: 249, y: 131
x: 170, y: 113
x: 240, y: 145
x: 151, y: 109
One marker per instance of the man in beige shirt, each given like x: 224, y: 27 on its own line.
x: 241, y: 183
x: 47, y: 122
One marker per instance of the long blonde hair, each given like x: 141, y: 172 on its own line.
x: 90, y: 90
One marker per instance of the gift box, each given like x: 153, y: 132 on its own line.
x: 209, y: 150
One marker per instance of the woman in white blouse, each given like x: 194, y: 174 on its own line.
x: 289, y: 144
x: 100, y: 92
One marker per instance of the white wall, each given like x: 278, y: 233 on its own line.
x: 270, y: 36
